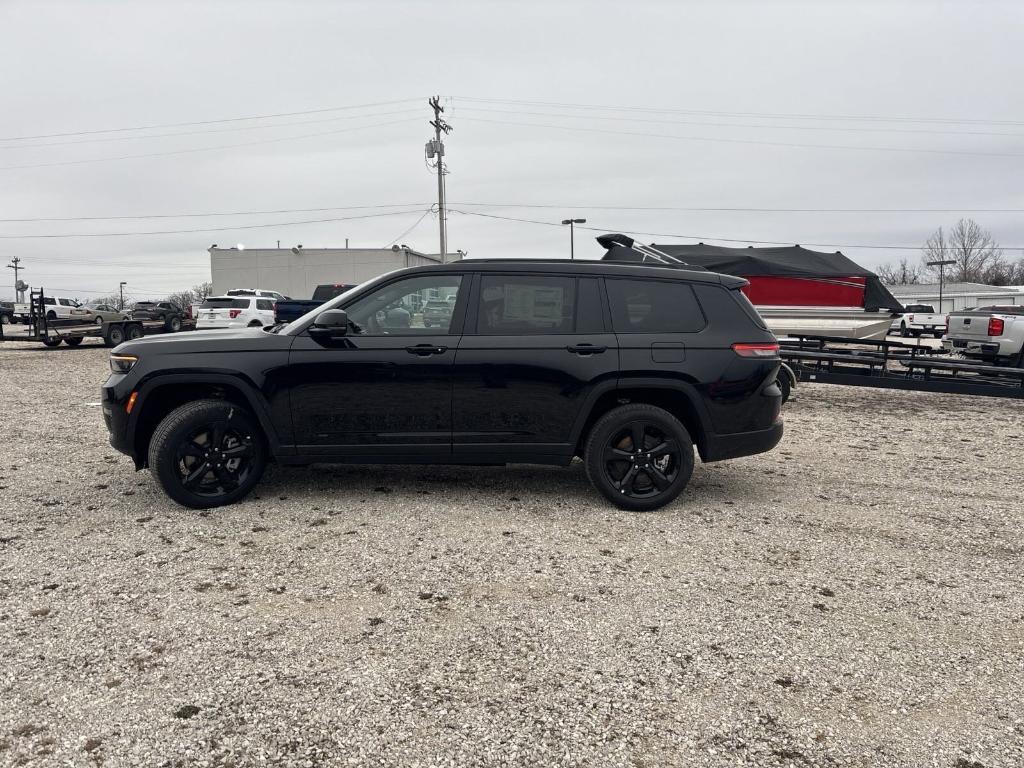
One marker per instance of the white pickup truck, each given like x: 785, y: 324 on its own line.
x: 918, y: 319
x: 994, y: 334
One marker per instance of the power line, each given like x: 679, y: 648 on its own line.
x: 845, y: 129
x: 706, y: 209
x: 410, y: 229
x: 210, y: 229
x: 712, y: 237
x: 205, y: 149
x: 214, y: 130
x: 210, y: 122
x: 206, y: 215
x: 774, y: 115
x: 722, y: 140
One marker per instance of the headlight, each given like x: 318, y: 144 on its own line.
x: 122, y: 363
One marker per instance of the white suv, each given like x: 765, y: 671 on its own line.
x: 235, y: 312
x: 59, y: 308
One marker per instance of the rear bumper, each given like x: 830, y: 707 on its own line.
x: 985, y: 349
x: 721, y: 447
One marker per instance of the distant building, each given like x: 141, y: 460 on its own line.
x: 296, y: 272
x: 958, y: 295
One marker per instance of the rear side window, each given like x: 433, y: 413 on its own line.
x: 266, y: 305
x: 743, y: 301
x: 518, y: 304
x: 653, y: 306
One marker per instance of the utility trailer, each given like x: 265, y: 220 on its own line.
x: 72, y: 332
x: 896, y: 365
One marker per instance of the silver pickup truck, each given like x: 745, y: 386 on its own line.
x: 994, y: 334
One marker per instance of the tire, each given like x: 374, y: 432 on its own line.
x: 115, y: 335
x: 73, y: 341
x: 172, y: 323
x: 255, y: 324
x: 98, y: 320
x: 51, y: 315
x: 5, y: 319
x: 181, y: 446
x: 903, y: 330
x: 51, y: 341
x: 134, y: 332
x: 630, y: 482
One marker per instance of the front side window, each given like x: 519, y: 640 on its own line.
x: 653, y: 306
x: 65, y: 302
x: 397, y: 309
x: 516, y: 304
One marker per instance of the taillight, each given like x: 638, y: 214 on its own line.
x: 233, y: 313
x: 763, y: 349
x: 911, y: 318
x: 995, y: 326
x: 947, y: 321
x: 273, y: 307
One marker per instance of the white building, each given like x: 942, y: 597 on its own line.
x: 957, y: 296
x: 296, y: 272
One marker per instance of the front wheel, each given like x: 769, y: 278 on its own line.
x: 99, y: 320
x: 172, y: 323
x: 639, y: 456
x: 51, y: 341
x: 207, y: 453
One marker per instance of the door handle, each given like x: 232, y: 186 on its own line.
x: 426, y: 349
x: 586, y: 349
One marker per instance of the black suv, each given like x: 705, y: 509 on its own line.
x: 626, y: 366
x: 164, y: 311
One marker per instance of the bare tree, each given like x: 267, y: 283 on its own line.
x: 900, y: 273
x: 202, y: 291
x: 972, y: 248
x: 181, y: 298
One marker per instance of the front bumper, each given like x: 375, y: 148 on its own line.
x: 116, y: 419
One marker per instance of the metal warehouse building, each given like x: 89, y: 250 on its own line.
x: 957, y: 296
x: 296, y: 272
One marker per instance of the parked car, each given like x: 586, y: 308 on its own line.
x: 171, y: 315
x: 993, y: 334
x: 235, y: 312
x: 288, y: 310
x: 61, y: 308
x: 628, y: 366
x: 437, y: 312
x: 105, y: 313
x: 256, y: 292
x: 918, y: 319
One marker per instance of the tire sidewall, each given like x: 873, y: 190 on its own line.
x: 173, y: 429
x: 614, y: 421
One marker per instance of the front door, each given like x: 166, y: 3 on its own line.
x: 537, y: 348
x: 385, y: 389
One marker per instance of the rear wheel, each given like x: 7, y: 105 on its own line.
x: 172, y: 323
x: 784, y: 385
x: 207, y: 453
x: 255, y: 324
x: 639, y: 456
x: 99, y: 320
x: 51, y: 341
x: 72, y: 341
x: 115, y: 335
x: 134, y: 332
x: 5, y: 319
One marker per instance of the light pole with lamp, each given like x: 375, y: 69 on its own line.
x: 940, y: 265
x: 572, y: 235
x: 121, y: 289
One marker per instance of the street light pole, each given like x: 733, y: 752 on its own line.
x: 121, y: 287
x: 572, y: 235
x: 940, y: 264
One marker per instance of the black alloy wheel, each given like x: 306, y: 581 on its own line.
x: 207, y: 453
x: 639, y: 456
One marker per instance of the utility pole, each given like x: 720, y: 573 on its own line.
x: 435, y: 148
x: 121, y: 289
x: 19, y: 292
x: 940, y: 264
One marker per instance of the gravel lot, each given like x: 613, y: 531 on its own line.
x: 853, y: 598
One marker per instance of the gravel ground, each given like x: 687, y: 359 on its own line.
x: 850, y: 599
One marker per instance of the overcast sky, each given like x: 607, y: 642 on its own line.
x: 707, y: 105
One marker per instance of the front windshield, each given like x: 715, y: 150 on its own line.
x: 297, y: 326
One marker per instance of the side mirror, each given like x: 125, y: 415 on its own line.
x: 330, y: 324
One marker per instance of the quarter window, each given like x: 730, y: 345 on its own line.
x: 517, y: 304
x: 653, y: 306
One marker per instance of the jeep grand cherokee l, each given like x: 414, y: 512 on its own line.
x: 629, y: 367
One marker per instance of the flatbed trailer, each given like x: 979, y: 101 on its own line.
x: 51, y: 333
x: 896, y: 365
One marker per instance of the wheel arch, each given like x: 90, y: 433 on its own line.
x: 677, y: 397
x: 162, y: 395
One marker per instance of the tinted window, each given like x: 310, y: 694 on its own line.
x: 653, y: 306
x: 514, y: 304
x: 225, y: 303
x: 265, y: 304
x: 65, y: 302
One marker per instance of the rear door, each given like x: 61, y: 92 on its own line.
x: 535, y: 347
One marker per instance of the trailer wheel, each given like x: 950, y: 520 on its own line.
x: 172, y: 323
x: 51, y: 341
x: 115, y: 335
x: 73, y: 341
x: 134, y: 332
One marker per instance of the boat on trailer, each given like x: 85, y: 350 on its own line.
x: 798, y: 292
